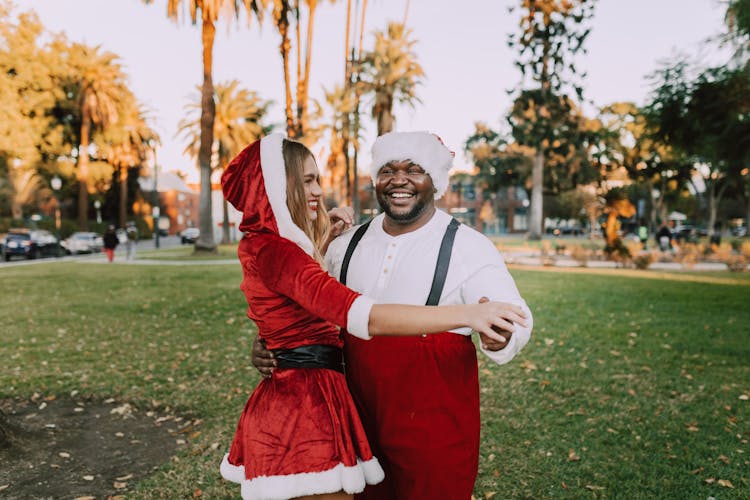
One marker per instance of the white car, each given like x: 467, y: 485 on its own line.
x: 83, y: 242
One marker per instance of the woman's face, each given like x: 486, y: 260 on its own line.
x: 313, y: 191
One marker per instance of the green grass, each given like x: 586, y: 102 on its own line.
x: 187, y: 253
x: 631, y: 385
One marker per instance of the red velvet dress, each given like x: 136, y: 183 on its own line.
x: 299, y: 433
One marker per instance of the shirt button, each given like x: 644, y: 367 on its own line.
x: 390, y: 256
x: 424, y: 335
x: 385, y: 271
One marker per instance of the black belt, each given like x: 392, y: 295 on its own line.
x: 310, y: 356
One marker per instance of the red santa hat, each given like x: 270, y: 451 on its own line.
x: 421, y: 148
x: 254, y: 182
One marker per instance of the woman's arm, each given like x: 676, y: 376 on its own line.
x: 394, y: 319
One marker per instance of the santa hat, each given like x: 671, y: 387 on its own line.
x: 421, y: 148
x: 254, y: 182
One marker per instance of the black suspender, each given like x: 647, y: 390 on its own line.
x: 441, y: 268
x: 350, y: 249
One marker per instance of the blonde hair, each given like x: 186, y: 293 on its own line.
x: 295, y: 154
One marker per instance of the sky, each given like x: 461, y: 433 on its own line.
x: 462, y: 47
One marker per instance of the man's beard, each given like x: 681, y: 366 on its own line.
x: 402, y: 217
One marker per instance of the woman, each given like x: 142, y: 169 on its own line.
x: 299, y: 435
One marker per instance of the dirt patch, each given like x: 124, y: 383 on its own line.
x: 73, y: 448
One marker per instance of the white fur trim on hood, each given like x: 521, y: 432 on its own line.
x: 274, y: 177
x: 422, y: 148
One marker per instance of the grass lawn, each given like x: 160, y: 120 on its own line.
x: 187, y: 252
x: 634, y: 385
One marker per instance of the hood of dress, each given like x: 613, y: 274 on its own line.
x: 254, y: 183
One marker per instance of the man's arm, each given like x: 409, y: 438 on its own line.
x: 495, y: 283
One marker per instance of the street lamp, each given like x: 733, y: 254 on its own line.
x: 97, y: 206
x: 56, y: 184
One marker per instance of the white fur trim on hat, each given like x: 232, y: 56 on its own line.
x: 339, y: 478
x: 274, y: 178
x: 422, y: 148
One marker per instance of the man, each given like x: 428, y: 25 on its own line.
x: 418, y: 397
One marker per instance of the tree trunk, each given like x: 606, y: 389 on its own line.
x: 83, y: 173
x: 304, y: 83
x: 225, y: 234
x: 123, y: 208
x: 205, y: 241
x: 535, y: 215
x: 282, y: 24
x: 385, y: 115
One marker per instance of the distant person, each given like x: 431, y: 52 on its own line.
x: 131, y: 242
x: 664, y: 237
x: 643, y: 233
x: 110, y: 242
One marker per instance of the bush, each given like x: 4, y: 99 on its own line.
x: 643, y: 260
x: 736, y: 263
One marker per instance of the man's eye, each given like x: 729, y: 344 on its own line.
x: 415, y: 171
x: 386, y: 171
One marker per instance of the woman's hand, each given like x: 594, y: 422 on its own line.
x: 342, y: 218
x: 488, y: 317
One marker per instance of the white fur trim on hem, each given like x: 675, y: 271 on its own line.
x: 274, y: 178
x: 349, y: 479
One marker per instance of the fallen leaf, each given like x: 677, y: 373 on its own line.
x: 744, y: 397
x: 64, y: 454
x: 85, y: 498
x: 120, y: 485
x: 490, y: 494
x: 125, y: 478
x: 197, y: 493
x: 709, y: 480
x: 573, y: 456
x: 725, y: 483
x: 724, y: 459
x: 697, y: 471
x: 594, y: 488
x: 88, y: 478
x: 4, y: 486
x: 692, y: 427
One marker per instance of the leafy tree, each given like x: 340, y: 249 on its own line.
x: 239, y: 119
x: 631, y: 143
x: 390, y: 72
x: 501, y: 163
x: 706, y: 119
x: 552, y: 33
x: 209, y: 11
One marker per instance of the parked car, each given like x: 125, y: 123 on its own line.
x: 190, y: 235
x: 83, y: 242
x: 31, y: 244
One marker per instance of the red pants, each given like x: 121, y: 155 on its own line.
x: 418, y: 398
x: 110, y: 253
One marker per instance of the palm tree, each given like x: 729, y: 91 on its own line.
x: 297, y: 121
x: 100, y: 88
x: 130, y: 143
x: 391, y: 72
x: 210, y: 10
x: 238, y: 122
x: 23, y: 187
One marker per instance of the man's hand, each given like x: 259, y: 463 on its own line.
x: 490, y: 344
x: 263, y: 359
